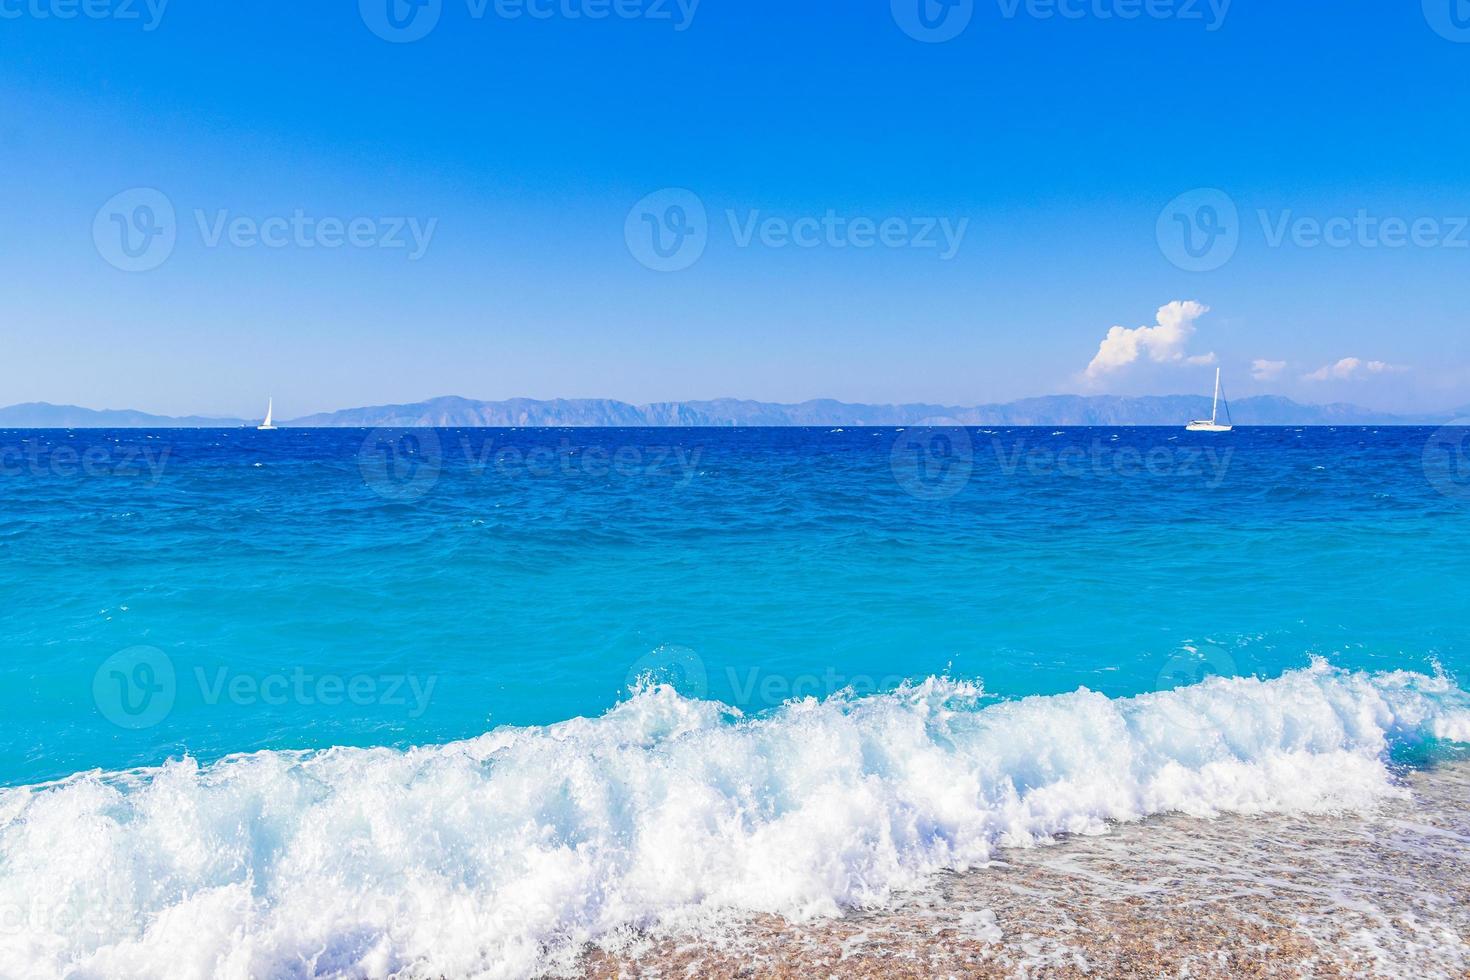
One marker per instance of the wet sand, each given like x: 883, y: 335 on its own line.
x: 1381, y: 895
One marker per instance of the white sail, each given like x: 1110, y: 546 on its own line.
x: 267, y: 425
x: 1213, y: 425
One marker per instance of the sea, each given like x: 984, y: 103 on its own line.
x: 473, y: 702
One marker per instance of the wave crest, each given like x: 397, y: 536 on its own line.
x: 504, y: 854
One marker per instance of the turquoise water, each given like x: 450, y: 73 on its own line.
x: 209, y: 592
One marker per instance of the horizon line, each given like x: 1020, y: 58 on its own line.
x: 231, y: 420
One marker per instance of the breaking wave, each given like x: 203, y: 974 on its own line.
x: 506, y: 854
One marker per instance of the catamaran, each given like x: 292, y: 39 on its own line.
x: 1213, y: 424
x: 266, y: 426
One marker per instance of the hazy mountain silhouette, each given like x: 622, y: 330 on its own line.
x: 453, y: 411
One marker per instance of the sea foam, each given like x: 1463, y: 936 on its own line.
x: 504, y: 855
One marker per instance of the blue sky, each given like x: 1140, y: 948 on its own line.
x: 1050, y: 146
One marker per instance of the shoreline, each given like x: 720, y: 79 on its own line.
x: 649, y: 840
x: 1382, y: 894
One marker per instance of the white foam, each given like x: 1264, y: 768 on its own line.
x: 502, y: 855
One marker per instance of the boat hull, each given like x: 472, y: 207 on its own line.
x: 1208, y: 427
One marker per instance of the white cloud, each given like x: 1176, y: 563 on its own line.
x: 1263, y: 370
x: 1351, y: 368
x: 1163, y: 343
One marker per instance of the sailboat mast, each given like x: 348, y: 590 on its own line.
x: 1215, y: 411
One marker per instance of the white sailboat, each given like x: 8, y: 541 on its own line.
x: 1214, y: 424
x: 267, y: 425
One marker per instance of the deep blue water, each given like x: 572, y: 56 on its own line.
x: 218, y: 591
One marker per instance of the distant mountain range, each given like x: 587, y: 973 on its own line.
x: 457, y: 412
x: 40, y: 415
